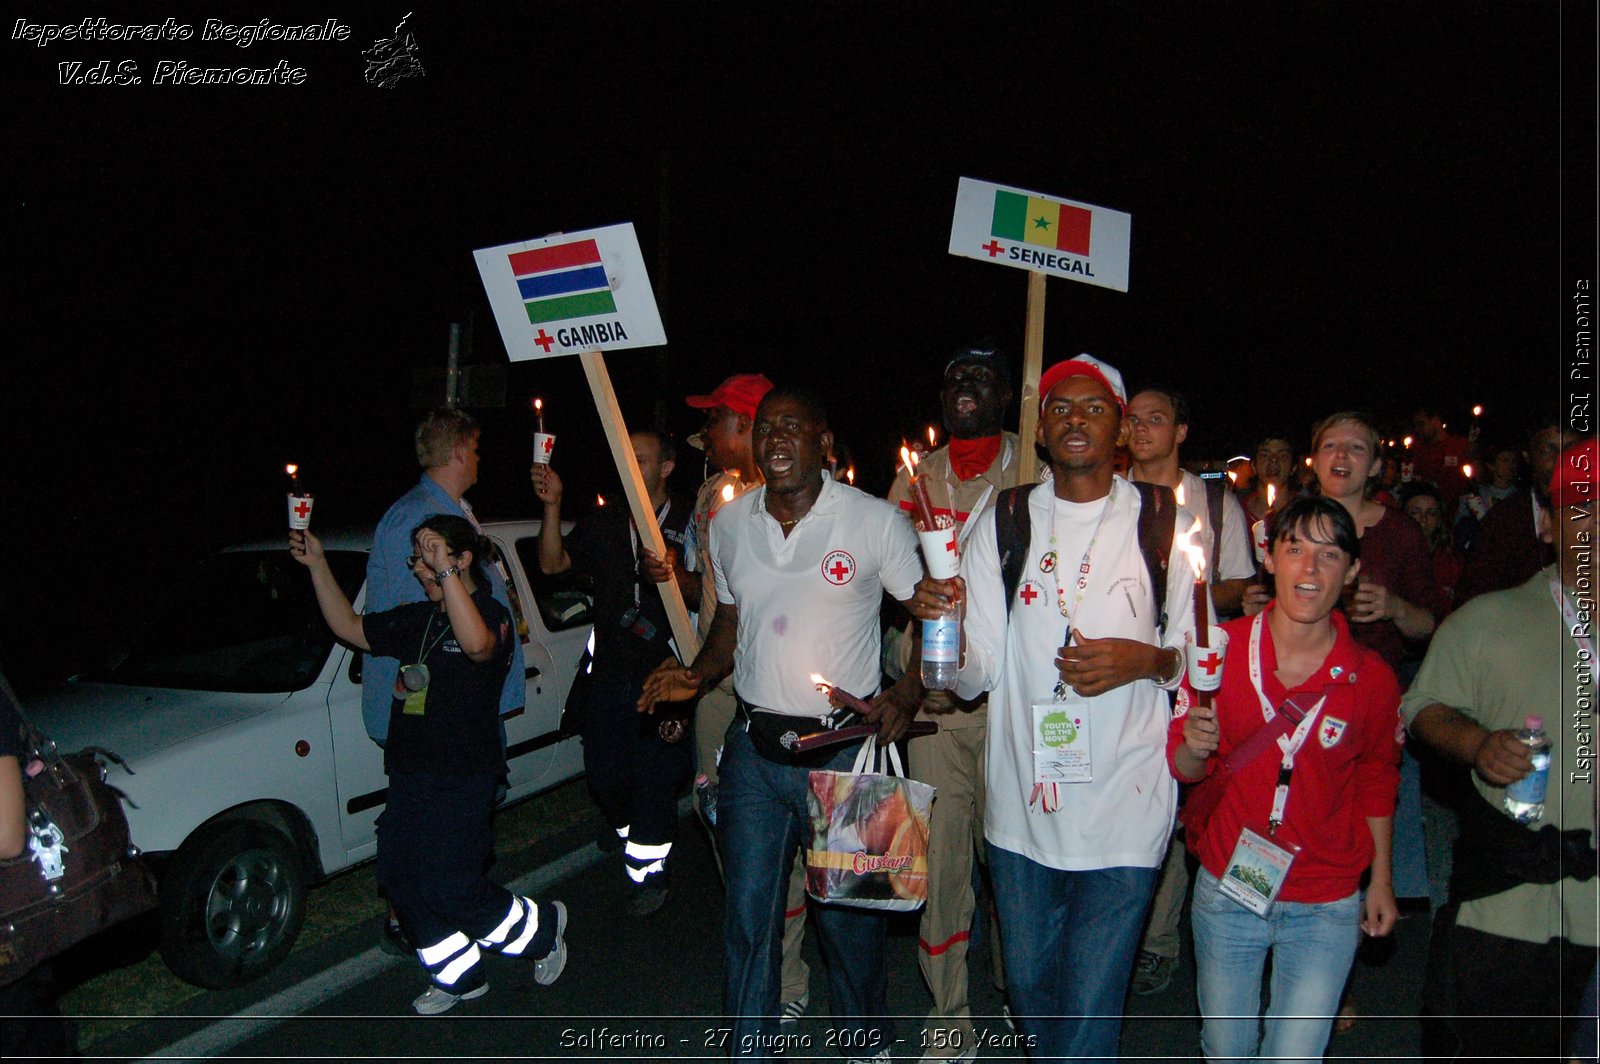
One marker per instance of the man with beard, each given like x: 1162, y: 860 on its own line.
x: 1079, y: 802
x: 963, y: 478
x: 801, y: 564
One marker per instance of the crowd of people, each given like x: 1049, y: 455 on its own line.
x: 1350, y: 624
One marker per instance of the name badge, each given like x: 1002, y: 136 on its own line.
x: 1061, y: 742
x: 1256, y: 871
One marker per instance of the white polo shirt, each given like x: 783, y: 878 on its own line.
x: 809, y: 602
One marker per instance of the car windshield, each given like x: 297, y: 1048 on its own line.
x: 240, y: 621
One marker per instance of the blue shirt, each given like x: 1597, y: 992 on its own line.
x: 390, y: 584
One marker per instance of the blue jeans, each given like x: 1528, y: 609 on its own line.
x: 1068, y: 940
x: 762, y: 818
x: 1312, y: 946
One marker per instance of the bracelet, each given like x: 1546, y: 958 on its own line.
x: 1176, y: 674
x: 449, y: 570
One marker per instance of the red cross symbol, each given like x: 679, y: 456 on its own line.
x: 951, y: 546
x: 302, y: 508
x: 839, y: 571
x: 993, y: 247
x: 1211, y: 663
x: 1330, y: 733
x: 549, y: 444
x: 544, y: 341
x: 1028, y: 594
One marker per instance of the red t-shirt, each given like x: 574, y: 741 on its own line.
x: 1346, y: 771
x: 1394, y: 554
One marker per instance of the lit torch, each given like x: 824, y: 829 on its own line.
x: 843, y: 697
x: 727, y: 493
x: 919, y: 491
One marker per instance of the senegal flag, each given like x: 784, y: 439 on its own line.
x: 1040, y: 221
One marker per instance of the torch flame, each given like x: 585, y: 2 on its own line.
x: 1407, y: 442
x: 291, y: 469
x: 1466, y: 470
x: 850, y: 474
x: 1272, y: 494
x: 932, y: 439
x: 908, y: 458
x: 727, y: 493
x: 1233, y: 478
x: 1197, y: 554
x: 599, y: 500
x: 1477, y: 411
x: 1177, y: 493
x: 817, y: 679
x: 538, y: 406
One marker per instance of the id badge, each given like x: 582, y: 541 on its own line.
x: 1061, y: 742
x: 1256, y: 871
x: 637, y: 623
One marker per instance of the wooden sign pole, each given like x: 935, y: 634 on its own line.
x: 1032, y: 366
x: 644, y: 514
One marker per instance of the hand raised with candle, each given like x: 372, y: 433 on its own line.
x: 1201, y: 734
x: 1094, y: 666
x: 306, y: 549
x: 933, y: 598
x: 546, y: 485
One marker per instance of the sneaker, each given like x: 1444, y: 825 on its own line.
x: 435, y: 1000
x: 1152, y: 973
x: 547, y: 969
x: 793, y: 1010
x: 393, y: 941
x: 1005, y: 1014
x: 647, y: 901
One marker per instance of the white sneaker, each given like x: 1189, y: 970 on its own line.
x: 435, y: 1000
x: 547, y: 969
x: 793, y: 1010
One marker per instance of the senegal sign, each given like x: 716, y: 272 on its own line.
x: 1031, y: 231
x: 570, y: 293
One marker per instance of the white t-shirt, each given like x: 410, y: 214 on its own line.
x: 809, y: 603
x: 1123, y: 817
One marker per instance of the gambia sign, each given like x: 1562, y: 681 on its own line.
x: 1032, y: 231
x: 570, y: 293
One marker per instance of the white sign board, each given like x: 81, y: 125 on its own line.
x: 1032, y: 231
x: 570, y: 293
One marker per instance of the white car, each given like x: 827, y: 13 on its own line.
x: 249, y: 772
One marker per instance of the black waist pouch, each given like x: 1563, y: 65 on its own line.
x: 774, y: 735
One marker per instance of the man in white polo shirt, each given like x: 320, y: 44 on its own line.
x: 801, y: 565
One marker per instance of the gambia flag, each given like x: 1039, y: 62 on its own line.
x: 564, y: 281
x: 1036, y: 220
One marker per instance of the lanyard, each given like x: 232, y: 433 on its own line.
x: 1084, y: 566
x: 1576, y: 626
x: 423, y: 649
x: 1289, y: 744
x: 633, y: 544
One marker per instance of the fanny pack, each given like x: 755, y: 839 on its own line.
x: 776, y: 735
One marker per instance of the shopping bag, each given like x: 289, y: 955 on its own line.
x: 869, y: 834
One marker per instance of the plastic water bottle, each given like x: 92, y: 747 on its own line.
x: 941, y: 651
x: 706, y: 791
x: 1524, y: 799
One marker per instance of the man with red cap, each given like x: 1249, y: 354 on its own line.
x: 1066, y: 640
x: 1516, y: 943
x: 730, y: 410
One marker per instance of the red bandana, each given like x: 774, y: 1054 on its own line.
x: 970, y: 458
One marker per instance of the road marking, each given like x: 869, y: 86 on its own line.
x: 217, y: 1038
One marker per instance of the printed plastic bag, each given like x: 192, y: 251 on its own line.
x: 869, y: 834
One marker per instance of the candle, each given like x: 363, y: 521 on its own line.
x: 727, y: 493
x: 919, y: 492
x: 1477, y: 411
x: 849, y: 700
x: 1272, y: 493
x: 599, y: 500
x: 1197, y: 559
x: 1466, y: 470
x: 294, y: 477
x: 1407, y: 442
x: 538, y: 413
x: 850, y: 475
x: 933, y: 439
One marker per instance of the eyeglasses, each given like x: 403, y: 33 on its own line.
x: 413, y: 559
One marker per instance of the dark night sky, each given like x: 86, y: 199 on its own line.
x: 1334, y: 205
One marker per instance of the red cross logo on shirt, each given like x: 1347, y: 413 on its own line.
x: 302, y: 508
x: 1028, y: 594
x: 544, y: 340
x: 838, y: 568
x: 1211, y: 663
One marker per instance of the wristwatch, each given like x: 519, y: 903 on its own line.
x: 449, y: 570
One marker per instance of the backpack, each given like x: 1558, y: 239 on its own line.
x: 1158, y: 517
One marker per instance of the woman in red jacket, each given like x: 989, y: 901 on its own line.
x: 1306, y: 721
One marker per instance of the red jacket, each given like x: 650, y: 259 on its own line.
x: 1347, y: 770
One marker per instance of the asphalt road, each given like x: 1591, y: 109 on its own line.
x: 646, y: 990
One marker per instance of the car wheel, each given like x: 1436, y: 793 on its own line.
x: 232, y: 902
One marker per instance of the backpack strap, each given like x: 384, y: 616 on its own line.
x: 1215, y: 496
x: 1012, y: 530
x: 1158, y: 520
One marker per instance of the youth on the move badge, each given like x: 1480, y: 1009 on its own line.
x: 571, y: 292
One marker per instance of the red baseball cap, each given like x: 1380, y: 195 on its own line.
x: 1083, y: 366
x: 741, y: 393
x: 1574, y: 481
